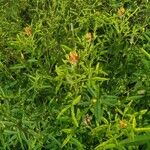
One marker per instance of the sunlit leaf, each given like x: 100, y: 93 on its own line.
x: 67, y: 139
x: 63, y: 111
x: 76, y: 100
x: 74, y: 117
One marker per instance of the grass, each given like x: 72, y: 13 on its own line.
x: 74, y: 75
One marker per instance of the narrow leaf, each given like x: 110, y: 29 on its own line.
x: 99, y: 79
x: 98, y: 110
x: 73, y: 116
x: 67, y: 130
x: 76, y: 100
x: 77, y: 143
x: 67, y: 139
x: 145, y: 53
x: 63, y: 110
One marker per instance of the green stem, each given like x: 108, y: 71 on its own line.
x: 141, y: 129
x: 145, y: 52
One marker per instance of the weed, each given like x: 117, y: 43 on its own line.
x: 74, y: 75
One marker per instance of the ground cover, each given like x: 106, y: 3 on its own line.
x: 74, y: 75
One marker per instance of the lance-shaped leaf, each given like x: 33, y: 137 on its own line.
x: 76, y: 100
x: 63, y: 110
x: 74, y: 117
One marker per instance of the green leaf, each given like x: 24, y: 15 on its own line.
x: 77, y: 143
x: 10, y: 132
x: 91, y: 91
x: 58, y: 87
x: 73, y: 117
x: 109, y: 100
x: 66, y: 48
x: 51, y: 137
x: 99, y: 128
x: 99, y: 79
x: 140, y: 139
x: 67, y: 139
x: 17, y: 66
x: 78, y: 114
x: 62, y: 111
x: 20, y: 140
x: 76, y: 100
x: 98, y: 112
x: 67, y: 130
x: 145, y: 53
x: 134, y: 122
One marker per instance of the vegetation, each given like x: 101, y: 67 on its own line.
x: 74, y: 74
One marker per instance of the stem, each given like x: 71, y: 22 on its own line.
x: 145, y: 52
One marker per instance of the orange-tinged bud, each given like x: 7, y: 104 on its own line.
x: 123, y: 124
x: 28, y: 31
x: 73, y: 57
x: 121, y: 11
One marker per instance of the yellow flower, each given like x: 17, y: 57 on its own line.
x: 121, y: 11
x: 89, y: 36
x: 28, y: 31
x: 73, y: 57
x: 123, y: 124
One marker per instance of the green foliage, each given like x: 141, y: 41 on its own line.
x: 74, y: 75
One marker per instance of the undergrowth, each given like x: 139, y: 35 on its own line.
x: 74, y: 75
